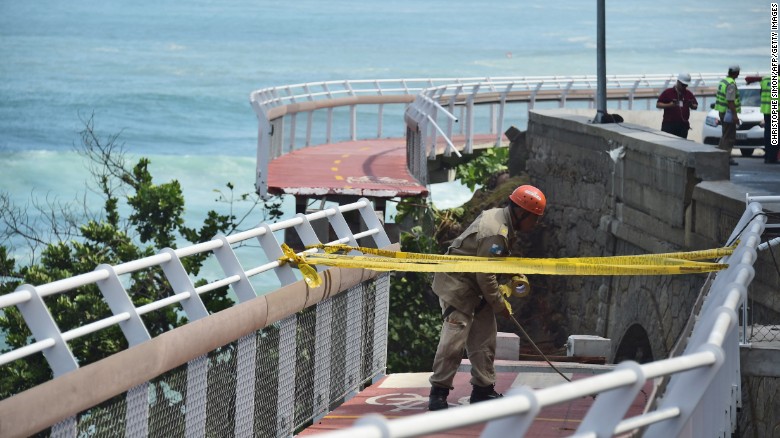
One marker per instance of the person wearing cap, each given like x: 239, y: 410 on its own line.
x: 728, y: 107
x: 470, y: 301
x: 677, y: 103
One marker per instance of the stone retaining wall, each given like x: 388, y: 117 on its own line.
x: 654, y: 193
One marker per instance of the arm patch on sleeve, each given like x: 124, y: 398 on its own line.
x: 496, y: 250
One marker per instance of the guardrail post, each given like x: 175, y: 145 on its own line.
x: 516, y: 425
x: 308, y: 236
x: 65, y: 428
x: 501, y: 106
x: 309, y: 123
x: 273, y: 251
x: 372, y: 222
x: 180, y: 282
x: 353, y: 122
x: 610, y: 407
x: 42, y: 326
x: 341, y: 228
x: 197, y: 397
x: 293, y: 128
x: 329, y: 127
x: 380, y: 120
x: 470, y: 122
x: 137, y: 411
x: 285, y: 389
x: 685, y: 391
x: 119, y: 301
x: 322, y: 358
x: 231, y: 266
x: 246, y: 366
x: 354, y: 333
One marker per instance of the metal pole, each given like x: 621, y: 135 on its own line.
x: 601, y: 64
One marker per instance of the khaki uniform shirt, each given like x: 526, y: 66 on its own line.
x: 488, y: 236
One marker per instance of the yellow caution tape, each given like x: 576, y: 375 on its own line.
x: 383, y: 260
x: 310, y: 275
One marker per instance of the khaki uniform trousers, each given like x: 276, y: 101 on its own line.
x: 728, y: 137
x: 474, y: 333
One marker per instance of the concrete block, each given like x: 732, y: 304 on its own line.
x: 588, y: 345
x: 507, y: 346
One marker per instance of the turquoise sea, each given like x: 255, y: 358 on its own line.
x: 173, y: 78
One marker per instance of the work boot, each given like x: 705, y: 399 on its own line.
x: 438, y: 398
x: 483, y: 393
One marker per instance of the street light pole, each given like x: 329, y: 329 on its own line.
x: 601, y: 64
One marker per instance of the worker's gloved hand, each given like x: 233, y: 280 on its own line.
x: 506, y: 312
x: 505, y: 290
x: 519, y: 286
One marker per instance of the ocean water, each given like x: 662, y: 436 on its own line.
x: 173, y: 78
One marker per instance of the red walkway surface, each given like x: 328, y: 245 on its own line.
x: 371, y: 168
x: 400, y: 395
x: 374, y: 168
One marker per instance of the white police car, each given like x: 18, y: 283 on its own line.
x: 750, y: 134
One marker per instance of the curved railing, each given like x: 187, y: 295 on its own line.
x: 243, y: 371
x: 53, y: 343
x: 348, y: 110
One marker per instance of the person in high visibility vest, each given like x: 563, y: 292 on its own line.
x: 471, y: 301
x: 728, y: 107
x: 770, y: 150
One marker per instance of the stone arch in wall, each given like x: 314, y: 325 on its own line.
x: 634, y: 345
x: 637, y: 309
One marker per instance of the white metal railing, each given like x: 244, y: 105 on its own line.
x: 50, y: 340
x: 278, y: 109
x: 701, y: 398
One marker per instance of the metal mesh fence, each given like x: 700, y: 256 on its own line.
x: 270, y: 383
x: 759, y: 324
x: 763, y: 333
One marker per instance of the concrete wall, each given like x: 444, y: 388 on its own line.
x: 663, y: 194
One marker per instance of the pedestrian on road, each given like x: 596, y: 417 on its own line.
x: 728, y: 107
x: 770, y: 150
x: 470, y: 301
x: 677, y: 103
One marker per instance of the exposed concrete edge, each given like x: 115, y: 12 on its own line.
x: 759, y: 362
x: 709, y: 162
x: 71, y: 393
x: 520, y: 366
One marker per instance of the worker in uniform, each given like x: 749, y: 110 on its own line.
x: 470, y: 301
x: 728, y: 107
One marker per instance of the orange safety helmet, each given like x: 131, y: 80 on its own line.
x: 530, y: 199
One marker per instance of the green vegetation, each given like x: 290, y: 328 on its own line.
x: 415, y: 317
x: 477, y: 171
x: 155, y: 221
